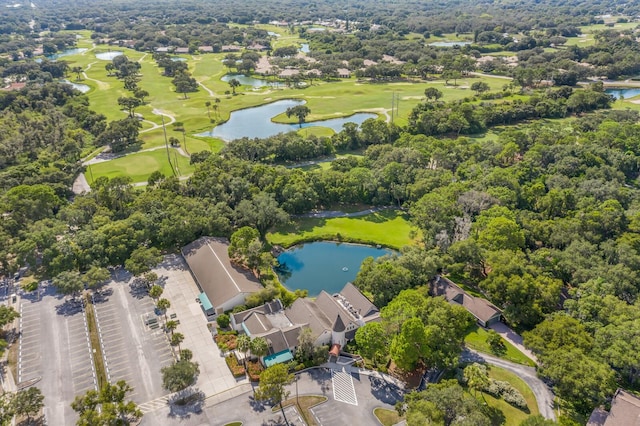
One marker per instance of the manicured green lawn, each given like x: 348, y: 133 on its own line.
x: 139, y: 166
x: 513, y: 416
x: 476, y: 338
x: 387, y: 417
x: 325, y: 99
x: 390, y: 228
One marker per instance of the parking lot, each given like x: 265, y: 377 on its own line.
x: 54, y: 351
x: 132, y: 351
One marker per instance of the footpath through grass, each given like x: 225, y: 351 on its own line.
x: 389, y: 228
x: 476, y: 339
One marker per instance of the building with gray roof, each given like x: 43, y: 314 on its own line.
x: 223, y: 285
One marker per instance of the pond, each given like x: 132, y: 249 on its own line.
x: 273, y: 34
x: 178, y: 59
x: 108, y: 56
x: 81, y: 87
x: 256, y: 122
x: 67, y: 52
x: 323, y: 265
x: 449, y: 43
x: 251, y: 81
x: 626, y: 93
x: 304, y: 48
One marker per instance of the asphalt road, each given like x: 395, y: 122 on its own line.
x: 371, y: 392
x: 543, y: 394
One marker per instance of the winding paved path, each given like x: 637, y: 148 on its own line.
x: 543, y: 394
x: 211, y: 93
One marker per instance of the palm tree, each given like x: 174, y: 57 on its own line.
x: 176, y: 339
x: 476, y: 377
x: 244, y: 344
x: 208, y: 105
x: 163, y: 305
x: 171, y: 325
x: 234, y: 83
x: 77, y: 71
x: 259, y: 347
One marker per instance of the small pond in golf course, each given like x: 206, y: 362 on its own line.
x: 108, y: 56
x: 323, y: 265
x: 256, y: 122
x: 81, y: 87
x: 251, y: 81
x: 623, y: 93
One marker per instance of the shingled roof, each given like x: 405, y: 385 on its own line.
x: 480, y: 308
x: 208, y: 259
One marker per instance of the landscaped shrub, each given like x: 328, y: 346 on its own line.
x: 237, y: 370
x: 497, y: 387
x: 226, y: 342
x: 507, y: 392
x: 254, y: 369
x: 515, y: 398
x: 223, y: 320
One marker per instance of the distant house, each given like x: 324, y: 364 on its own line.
x: 230, y: 48
x: 223, y: 286
x: 483, y: 310
x: 343, y: 73
x: 181, y: 50
x: 333, y: 320
x: 288, y: 72
x: 258, y: 47
x: 625, y: 411
x: 206, y: 49
x: 162, y: 49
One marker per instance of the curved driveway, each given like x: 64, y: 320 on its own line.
x: 543, y: 394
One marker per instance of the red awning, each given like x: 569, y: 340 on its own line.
x: 335, y: 350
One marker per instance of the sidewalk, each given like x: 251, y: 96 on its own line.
x: 182, y: 292
x: 514, y: 338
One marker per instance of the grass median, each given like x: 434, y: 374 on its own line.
x: 96, y: 348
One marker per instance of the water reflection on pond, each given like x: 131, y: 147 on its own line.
x: 449, y: 43
x: 623, y: 93
x: 64, y: 53
x: 323, y: 265
x: 251, y: 81
x: 81, y: 87
x: 256, y: 122
x: 108, y: 56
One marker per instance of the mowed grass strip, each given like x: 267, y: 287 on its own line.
x: 94, y: 337
x: 387, y: 417
x: 389, y: 228
x: 139, y: 166
x: 476, y: 339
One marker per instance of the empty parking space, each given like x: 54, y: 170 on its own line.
x: 54, y: 350
x: 132, y: 351
x: 328, y: 415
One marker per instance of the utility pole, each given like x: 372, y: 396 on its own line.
x: 166, y: 144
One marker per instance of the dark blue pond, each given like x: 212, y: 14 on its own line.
x: 323, y: 265
x: 626, y: 93
x: 256, y: 122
